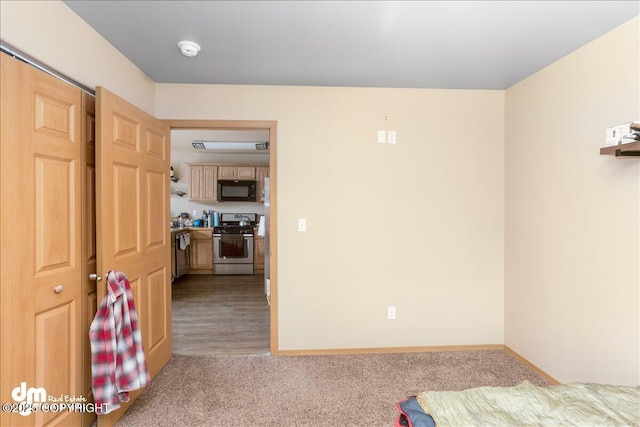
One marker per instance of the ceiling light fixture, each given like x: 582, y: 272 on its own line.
x: 230, y: 145
x: 189, y: 48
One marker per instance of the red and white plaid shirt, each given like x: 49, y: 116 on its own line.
x: 118, y: 363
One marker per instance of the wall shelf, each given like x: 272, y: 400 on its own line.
x: 628, y: 149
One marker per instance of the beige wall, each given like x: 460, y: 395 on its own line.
x: 417, y: 225
x: 570, y: 300
x: 54, y: 35
x: 572, y: 216
x: 443, y: 273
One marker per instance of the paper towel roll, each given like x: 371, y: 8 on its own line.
x: 261, y: 226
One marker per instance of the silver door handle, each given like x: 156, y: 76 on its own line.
x: 94, y: 276
x: 58, y: 289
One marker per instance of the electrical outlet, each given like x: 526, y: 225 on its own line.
x: 302, y: 224
x: 391, y: 312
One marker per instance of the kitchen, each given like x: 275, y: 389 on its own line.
x: 219, y: 224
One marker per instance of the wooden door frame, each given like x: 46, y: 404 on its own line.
x: 271, y: 126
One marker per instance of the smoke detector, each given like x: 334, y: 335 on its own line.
x: 189, y: 48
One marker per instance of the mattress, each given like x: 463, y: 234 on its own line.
x: 575, y: 404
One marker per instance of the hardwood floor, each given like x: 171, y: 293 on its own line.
x: 215, y: 315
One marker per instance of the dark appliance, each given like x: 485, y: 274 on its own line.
x: 181, y: 253
x: 236, y: 191
x: 233, y: 244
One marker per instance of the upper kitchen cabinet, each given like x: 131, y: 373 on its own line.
x: 204, y: 178
x: 240, y: 173
x: 203, y: 183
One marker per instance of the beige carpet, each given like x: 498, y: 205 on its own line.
x: 350, y: 390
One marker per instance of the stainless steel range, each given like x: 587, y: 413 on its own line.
x: 233, y: 243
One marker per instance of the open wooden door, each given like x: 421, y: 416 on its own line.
x: 132, y: 219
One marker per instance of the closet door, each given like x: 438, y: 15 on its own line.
x: 132, y: 206
x: 40, y: 225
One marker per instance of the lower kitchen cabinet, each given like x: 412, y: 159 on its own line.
x: 173, y: 258
x: 201, y: 252
x: 258, y: 254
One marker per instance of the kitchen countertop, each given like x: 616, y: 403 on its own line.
x: 190, y: 228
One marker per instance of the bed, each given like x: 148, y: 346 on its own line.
x: 575, y: 404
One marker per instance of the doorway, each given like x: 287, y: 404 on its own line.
x: 254, y: 285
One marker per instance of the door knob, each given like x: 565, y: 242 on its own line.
x: 58, y: 289
x: 94, y: 276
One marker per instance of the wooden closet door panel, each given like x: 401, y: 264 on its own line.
x: 40, y: 291
x: 133, y: 236
x: 57, y: 362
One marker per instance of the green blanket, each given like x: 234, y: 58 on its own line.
x: 529, y: 405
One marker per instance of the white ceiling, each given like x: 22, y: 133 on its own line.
x: 415, y: 44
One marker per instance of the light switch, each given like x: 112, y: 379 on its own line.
x: 392, y: 137
x: 382, y: 137
x: 302, y: 224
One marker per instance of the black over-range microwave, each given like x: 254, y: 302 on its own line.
x: 236, y: 191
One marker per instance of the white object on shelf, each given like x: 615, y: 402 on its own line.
x: 616, y: 134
